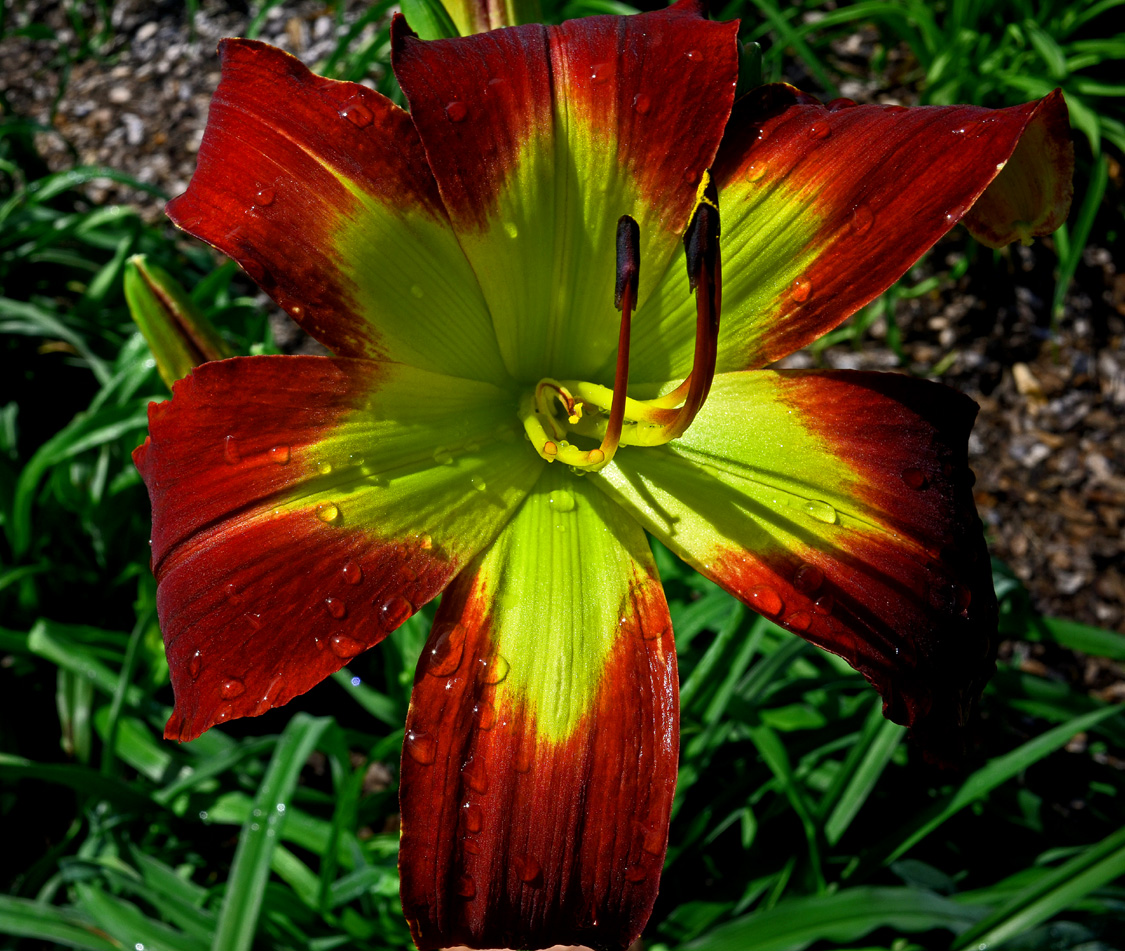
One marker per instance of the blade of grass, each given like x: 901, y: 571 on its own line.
x: 32, y: 919
x: 242, y: 901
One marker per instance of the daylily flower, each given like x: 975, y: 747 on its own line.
x: 491, y: 427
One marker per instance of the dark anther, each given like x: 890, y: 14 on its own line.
x: 701, y: 240
x: 628, y: 259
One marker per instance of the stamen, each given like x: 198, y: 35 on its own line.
x: 625, y: 296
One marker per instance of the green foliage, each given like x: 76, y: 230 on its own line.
x: 802, y: 816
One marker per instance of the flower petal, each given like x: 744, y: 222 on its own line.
x: 823, y: 208
x: 303, y: 507
x: 320, y: 190
x: 1031, y: 196
x: 838, y: 505
x: 542, y: 739
x: 540, y: 138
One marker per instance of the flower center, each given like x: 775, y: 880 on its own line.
x: 556, y: 409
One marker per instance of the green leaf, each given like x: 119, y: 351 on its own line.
x: 844, y: 916
x: 33, y: 919
x: 242, y: 902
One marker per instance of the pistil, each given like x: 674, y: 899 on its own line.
x: 596, y: 412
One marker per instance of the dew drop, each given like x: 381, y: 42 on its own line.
x: 445, y: 656
x: 799, y: 621
x: 808, y: 579
x: 955, y: 214
x: 755, y: 171
x: 496, y: 81
x: 442, y: 456
x: 525, y: 757
x: 473, y: 816
x: 511, y: 230
x: 231, y: 454
x: 894, y: 108
x: 425, y: 542
x: 562, y: 500
x: 417, y: 292
x: 765, y: 600
x: 264, y: 196
x: 456, y: 111
x: 327, y: 512
x: 466, y: 887
x: 862, y: 219
x: 694, y: 55
x: 394, y: 612
x: 527, y: 869
x: 421, y: 747
x: 599, y: 73
x: 637, y: 872
x: 475, y: 776
x: 353, y: 574
x: 324, y: 468
x: 653, y: 840
x: 642, y: 103
x: 408, y: 574
x: 478, y: 483
x: 824, y: 604
x: 254, y: 620
x: 337, y: 608
x: 345, y: 647
x: 357, y: 114
x: 231, y: 687
x: 195, y: 665
x: 915, y: 478
x: 485, y: 714
x: 223, y: 714
x: 494, y: 669
x: 281, y: 455
x: 835, y: 105
x: 652, y: 632
x: 801, y: 289
x: 821, y: 511
x: 818, y: 130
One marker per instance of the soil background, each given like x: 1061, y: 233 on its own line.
x: 1049, y: 444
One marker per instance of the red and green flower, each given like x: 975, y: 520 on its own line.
x: 491, y: 426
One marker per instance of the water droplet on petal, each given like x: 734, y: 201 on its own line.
x: 562, y: 500
x: 473, y: 816
x: 808, y: 579
x: 445, y: 656
x: 915, y: 478
x: 821, y: 511
x: 835, y: 105
x: 862, y: 219
x: 264, y: 196
x: 231, y: 687
x: 496, y: 81
x: 641, y: 103
x: 763, y: 599
x: 417, y: 291
x: 456, y: 111
x: 485, y: 713
x: 478, y: 483
x: 511, y: 229
x: 466, y: 887
x: 233, y: 594
x: 694, y: 55
x: 527, y: 869
x: 824, y: 604
x: 336, y: 607
x: 599, y: 73
x: 818, y: 130
x: 345, y: 647
x: 494, y: 669
x: 421, y: 747
x: 223, y: 713
x: 324, y: 468
x: 231, y: 454
x: 755, y: 170
x: 327, y: 512
x: 394, y: 613
x: 357, y: 114
x: 195, y: 664
x: 475, y: 776
x: 637, y: 872
x: 254, y: 620
x: 353, y: 574
x: 281, y: 455
x: 801, y: 289
x: 653, y: 840
x: 799, y: 621
x: 442, y: 456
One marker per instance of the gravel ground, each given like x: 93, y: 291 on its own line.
x: 1049, y: 446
